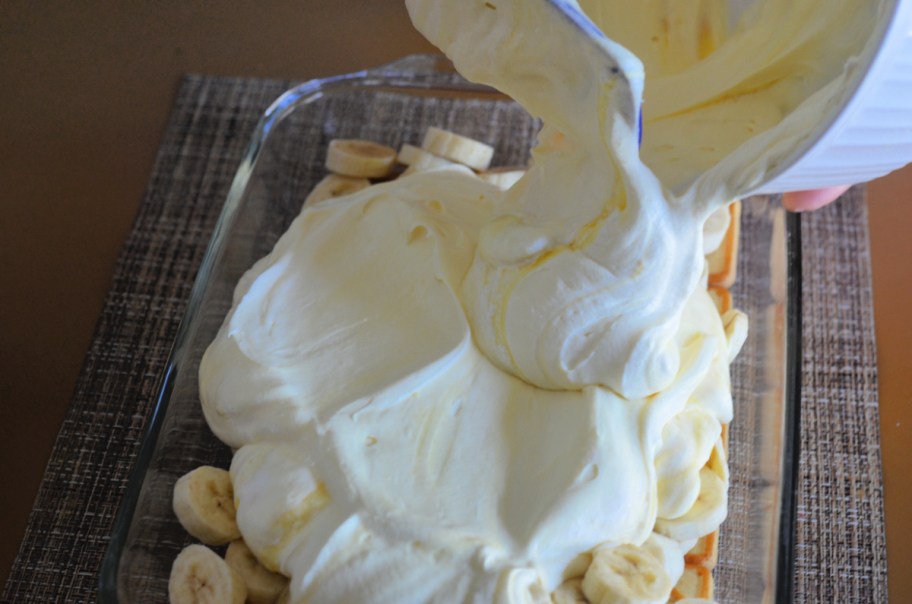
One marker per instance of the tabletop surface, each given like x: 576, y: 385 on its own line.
x: 80, y: 136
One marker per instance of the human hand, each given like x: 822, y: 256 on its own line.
x: 803, y: 201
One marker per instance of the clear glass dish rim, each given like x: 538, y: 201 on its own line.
x: 426, y: 72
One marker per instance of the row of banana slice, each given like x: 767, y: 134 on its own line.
x: 353, y: 163
x: 203, y: 501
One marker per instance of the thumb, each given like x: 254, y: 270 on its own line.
x: 802, y: 201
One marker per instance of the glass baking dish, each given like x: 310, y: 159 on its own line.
x: 395, y: 104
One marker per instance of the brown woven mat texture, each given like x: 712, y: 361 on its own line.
x: 840, y: 551
x: 840, y: 544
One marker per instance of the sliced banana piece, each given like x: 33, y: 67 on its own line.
x: 203, y: 502
x: 714, y: 229
x: 335, y: 185
x: 735, y: 323
x: 723, y: 261
x: 707, y: 512
x: 458, y: 148
x: 432, y: 162
x: 503, y: 177
x: 627, y: 574
x: 429, y: 161
x: 569, y: 592
x: 359, y: 158
x: 718, y: 460
x: 200, y: 576
x: 277, y: 498
x: 263, y: 586
x: 410, y: 154
x: 687, y: 442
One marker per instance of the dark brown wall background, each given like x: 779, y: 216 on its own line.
x: 85, y: 90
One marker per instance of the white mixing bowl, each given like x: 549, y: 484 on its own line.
x: 871, y: 134
x: 868, y: 134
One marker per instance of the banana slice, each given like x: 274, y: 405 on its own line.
x: 707, y: 512
x: 203, y: 502
x: 335, y: 185
x: 718, y: 460
x: 410, y: 154
x: 735, y: 323
x: 569, y: 592
x: 263, y: 586
x: 359, y: 158
x: 714, y: 229
x: 723, y: 261
x: 687, y: 442
x: 503, y: 177
x: 431, y: 162
x: 626, y: 574
x: 199, y: 576
x: 458, y: 148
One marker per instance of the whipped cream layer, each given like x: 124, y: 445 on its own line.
x: 441, y: 391
x: 377, y: 441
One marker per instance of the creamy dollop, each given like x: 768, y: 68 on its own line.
x: 442, y: 391
x: 377, y: 440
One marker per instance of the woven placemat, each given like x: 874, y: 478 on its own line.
x: 840, y: 555
x: 840, y: 551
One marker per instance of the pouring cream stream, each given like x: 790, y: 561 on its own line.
x: 442, y: 392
